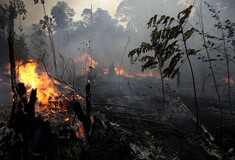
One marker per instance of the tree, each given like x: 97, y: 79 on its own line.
x: 3, y: 18
x: 4, y: 15
x: 214, y: 43
x: 221, y: 44
x: 46, y: 24
x: 165, y: 42
x: 179, y: 32
x: 63, y: 16
x: 16, y: 7
x: 38, y: 41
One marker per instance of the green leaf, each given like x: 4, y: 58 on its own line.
x: 160, y: 20
x: 171, y: 20
x: 192, y: 51
x: 188, y: 34
x: 152, y: 21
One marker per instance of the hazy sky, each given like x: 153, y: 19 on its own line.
x: 35, y: 11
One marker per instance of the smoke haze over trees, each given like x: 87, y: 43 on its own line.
x: 72, y: 35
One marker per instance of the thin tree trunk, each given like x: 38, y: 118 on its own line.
x: 212, y: 72
x: 52, y: 41
x: 122, y: 59
x: 229, y: 85
x: 88, y: 99
x: 228, y: 70
x: 12, y: 60
x: 73, y: 72
x: 163, y: 90
x: 191, y: 69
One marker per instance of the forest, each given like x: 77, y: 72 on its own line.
x: 120, y: 79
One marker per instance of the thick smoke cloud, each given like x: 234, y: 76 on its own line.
x: 109, y: 37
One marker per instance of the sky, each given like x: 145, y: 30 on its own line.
x: 109, y: 40
x: 140, y: 10
x: 35, y: 11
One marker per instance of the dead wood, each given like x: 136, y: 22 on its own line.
x: 85, y: 119
x: 88, y: 99
x: 69, y: 85
x: 152, y: 121
x: 187, y: 110
x: 12, y: 59
x: 122, y: 106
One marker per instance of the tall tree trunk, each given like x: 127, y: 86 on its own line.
x: 228, y: 70
x: 229, y: 85
x: 51, y: 40
x: 88, y: 99
x: 163, y: 90
x: 212, y: 71
x: 12, y: 60
x: 191, y: 69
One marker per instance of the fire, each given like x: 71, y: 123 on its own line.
x: 106, y: 71
x: 86, y: 59
x: 167, y: 79
x: 1, y: 80
x: 45, y: 86
x: 81, y: 133
x: 231, y: 81
x: 150, y: 74
x: 51, y: 101
x: 119, y: 70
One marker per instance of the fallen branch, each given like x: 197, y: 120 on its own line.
x: 69, y: 85
x: 187, y: 110
x: 122, y: 106
x: 152, y: 121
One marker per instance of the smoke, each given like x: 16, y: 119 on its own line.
x: 106, y: 38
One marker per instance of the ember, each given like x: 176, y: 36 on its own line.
x: 80, y: 133
x: 106, y: 71
x: 231, y: 81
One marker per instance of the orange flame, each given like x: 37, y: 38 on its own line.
x: 106, y: 71
x: 86, y: 58
x: 50, y: 99
x: 45, y: 86
x: 231, y: 81
x: 119, y: 70
x: 150, y: 74
x: 81, y: 133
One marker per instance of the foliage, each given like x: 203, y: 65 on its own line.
x: 3, y: 16
x: 22, y: 48
x: 63, y: 16
x: 38, y: 40
x: 46, y: 22
x: 36, y: 1
x: 165, y: 43
x: 224, y: 43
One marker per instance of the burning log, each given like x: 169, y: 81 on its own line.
x: 85, y: 119
x: 88, y: 99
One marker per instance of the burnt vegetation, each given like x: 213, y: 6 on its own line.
x: 161, y: 88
